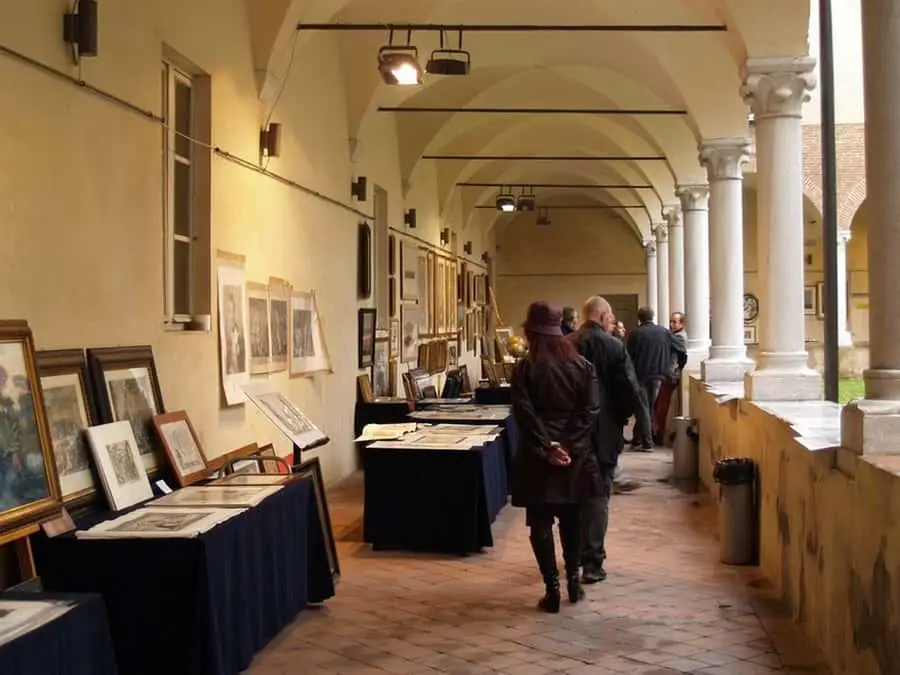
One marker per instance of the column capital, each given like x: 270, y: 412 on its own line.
x: 724, y: 157
x: 843, y: 237
x: 661, y: 230
x: 650, y: 249
x: 672, y: 214
x: 777, y: 87
x: 693, y: 197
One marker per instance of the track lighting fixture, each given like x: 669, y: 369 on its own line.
x: 505, y: 201
x: 449, y: 61
x: 270, y: 140
x: 409, y: 219
x: 526, y: 201
x: 467, y: 248
x: 543, y: 217
x: 80, y: 29
x: 358, y: 188
x: 445, y: 235
x: 399, y: 65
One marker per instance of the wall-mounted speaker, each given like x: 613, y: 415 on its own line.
x: 358, y: 188
x: 80, y: 28
x: 409, y: 218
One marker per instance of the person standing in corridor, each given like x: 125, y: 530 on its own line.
x: 669, y: 386
x: 555, y: 405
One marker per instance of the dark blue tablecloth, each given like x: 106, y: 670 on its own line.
x: 201, y: 606
x: 77, y: 643
x: 433, y: 500
x: 379, y: 412
x: 493, y: 395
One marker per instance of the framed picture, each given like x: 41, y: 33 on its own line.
x: 309, y: 351
x: 429, y: 286
x: 282, y: 412
x: 380, y: 378
x: 225, y: 496
x: 392, y: 297
x: 364, y: 261
x: 392, y: 255
x: 820, y: 300
x: 70, y: 411
x: 394, y: 337
x: 366, y: 345
x: 364, y: 388
x: 312, y: 470
x: 126, y: 387
x: 424, y: 298
x: 119, y: 464
x: 182, y: 446
x: 750, y: 334
x: 810, y: 300
x: 409, y: 272
x: 233, y: 326
x: 258, y: 324
x: 439, y: 296
x: 410, y: 321
x: 29, y: 490
x: 159, y: 523
x: 279, y: 299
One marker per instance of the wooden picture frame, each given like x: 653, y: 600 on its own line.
x: 137, y: 400
x: 366, y: 338
x: 364, y: 261
x: 410, y: 281
x: 70, y: 410
x: 182, y: 447
x: 750, y: 334
x: 392, y: 255
x: 810, y: 299
x: 27, y: 465
x: 312, y: 470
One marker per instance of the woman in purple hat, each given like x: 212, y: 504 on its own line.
x: 555, y: 403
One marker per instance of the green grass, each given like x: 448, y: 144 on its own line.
x: 850, y: 389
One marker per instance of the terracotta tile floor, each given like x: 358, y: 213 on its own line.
x: 667, y: 607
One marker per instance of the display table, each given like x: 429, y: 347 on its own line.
x: 433, y: 500
x: 76, y: 643
x: 501, y: 395
x: 201, y: 606
x: 388, y: 411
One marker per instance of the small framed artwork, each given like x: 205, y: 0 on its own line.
x: 750, y: 334
x: 182, y: 446
x: 820, y: 300
x: 394, y: 338
x: 364, y: 261
x: 29, y: 491
x: 410, y: 320
x: 409, y: 272
x: 810, y: 300
x: 392, y: 255
x: 70, y: 411
x: 126, y: 387
x: 380, y: 378
x: 258, y: 320
x: 366, y: 345
x: 311, y: 470
x: 392, y: 297
x: 119, y: 464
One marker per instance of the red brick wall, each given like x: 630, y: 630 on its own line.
x: 851, y: 169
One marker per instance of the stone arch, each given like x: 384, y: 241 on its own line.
x: 850, y: 204
x: 813, y: 191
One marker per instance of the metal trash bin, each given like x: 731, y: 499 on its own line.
x: 736, y: 477
x: 685, y: 451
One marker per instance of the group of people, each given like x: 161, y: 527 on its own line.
x: 572, y: 397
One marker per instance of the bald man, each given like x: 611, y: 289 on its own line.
x: 620, y: 397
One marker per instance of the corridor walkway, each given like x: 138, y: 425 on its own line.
x: 667, y: 607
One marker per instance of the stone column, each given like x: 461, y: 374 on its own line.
x: 662, y: 273
x: 650, y: 253
x: 676, y: 258
x: 775, y: 89
x: 695, y: 210
x: 845, y: 339
x: 723, y: 159
x: 872, y: 425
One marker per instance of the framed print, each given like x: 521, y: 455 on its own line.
x: 410, y: 320
x: 392, y: 255
x: 430, y: 324
x: 70, y: 411
x: 119, y: 464
x: 233, y: 326
x: 159, y: 523
x: 282, y: 412
x: 424, y: 298
x: 394, y: 337
x: 236, y: 479
x: 182, y: 446
x: 29, y: 489
x: 366, y: 344
x: 820, y: 300
x: 224, y: 496
x: 810, y: 300
x: 126, y: 388
x: 380, y: 378
x: 364, y: 261
x: 258, y: 323
x: 750, y: 334
x: 309, y: 351
x: 279, y: 299
x: 392, y: 297
x: 409, y: 272
x: 312, y: 470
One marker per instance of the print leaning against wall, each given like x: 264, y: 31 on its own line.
x: 279, y: 323
x: 233, y: 347
x: 309, y: 352
x: 29, y: 488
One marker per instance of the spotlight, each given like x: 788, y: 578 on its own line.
x: 400, y: 65
x: 467, y: 247
x: 543, y: 217
x: 80, y: 29
x: 358, y: 188
x: 409, y: 218
x: 525, y: 203
x: 449, y: 61
x: 506, y: 202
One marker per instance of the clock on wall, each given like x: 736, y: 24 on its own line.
x: 751, y: 307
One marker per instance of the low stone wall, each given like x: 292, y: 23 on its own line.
x: 829, y: 530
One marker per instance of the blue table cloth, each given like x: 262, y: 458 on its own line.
x: 76, y: 643
x: 201, y: 606
x: 433, y: 500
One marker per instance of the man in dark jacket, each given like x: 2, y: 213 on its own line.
x: 619, y: 397
x: 568, y: 320
x: 653, y: 350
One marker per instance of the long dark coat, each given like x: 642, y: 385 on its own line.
x: 554, y: 401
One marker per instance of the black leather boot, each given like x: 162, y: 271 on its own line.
x: 570, y: 534
x: 545, y: 554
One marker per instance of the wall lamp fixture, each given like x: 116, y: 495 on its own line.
x: 270, y: 140
x: 449, y: 61
x: 80, y: 29
x: 409, y: 219
x: 505, y: 201
x: 358, y: 188
x: 399, y: 65
x: 467, y: 248
x: 445, y: 235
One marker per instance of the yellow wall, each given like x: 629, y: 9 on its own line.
x: 582, y: 253
x: 81, y: 195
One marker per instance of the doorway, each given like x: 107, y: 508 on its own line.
x: 625, y: 308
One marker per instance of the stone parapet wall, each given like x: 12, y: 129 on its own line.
x: 829, y: 537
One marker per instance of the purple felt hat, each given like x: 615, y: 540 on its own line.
x: 543, y: 319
